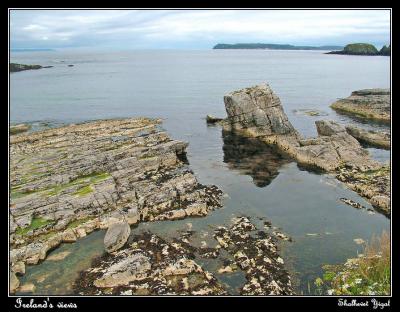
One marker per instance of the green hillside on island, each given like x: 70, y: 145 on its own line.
x: 362, y: 49
x: 272, y: 46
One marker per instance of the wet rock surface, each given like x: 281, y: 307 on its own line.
x: 257, y: 112
x: 257, y: 255
x: 20, y: 128
x: 150, y: 265
x: 379, y: 139
x: 67, y: 182
x: 373, y: 104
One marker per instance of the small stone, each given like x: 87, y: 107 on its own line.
x: 58, y: 256
x: 359, y: 241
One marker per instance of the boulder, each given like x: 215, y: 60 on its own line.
x: 116, y: 236
x: 257, y: 109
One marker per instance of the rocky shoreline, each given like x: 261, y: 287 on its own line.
x: 368, y: 104
x: 69, y: 181
x: 257, y: 112
x: 150, y: 265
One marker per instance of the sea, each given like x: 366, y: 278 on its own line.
x: 181, y: 87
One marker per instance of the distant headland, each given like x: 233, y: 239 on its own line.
x: 30, y: 49
x: 362, y: 49
x: 272, y: 46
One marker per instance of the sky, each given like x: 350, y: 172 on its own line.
x: 194, y: 29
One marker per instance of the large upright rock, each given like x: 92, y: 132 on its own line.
x: 257, y: 109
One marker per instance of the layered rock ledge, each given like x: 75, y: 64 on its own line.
x: 379, y: 139
x: 370, y: 104
x: 257, y: 112
x: 69, y: 181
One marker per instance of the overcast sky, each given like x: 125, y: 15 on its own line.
x: 191, y: 29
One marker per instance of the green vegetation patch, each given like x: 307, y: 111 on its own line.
x: 367, y: 275
x: 84, y: 190
x: 360, y: 49
x: 83, y: 181
x: 77, y: 222
x: 36, y: 223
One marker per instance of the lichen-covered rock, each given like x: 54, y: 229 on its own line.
x: 116, y: 236
x: 371, y: 104
x: 380, y: 139
x: 68, y: 181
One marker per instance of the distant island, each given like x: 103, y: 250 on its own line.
x: 30, y: 50
x: 272, y: 46
x: 362, y: 49
x: 14, y: 67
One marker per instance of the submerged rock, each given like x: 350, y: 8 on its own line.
x: 20, y: 128
x: 67, y: 182
x: 373, y: 104
x: 27, y: 288
x: 116, y: 236
x: 58, y: 256
x: 257, y: 112
x: 380, y: 139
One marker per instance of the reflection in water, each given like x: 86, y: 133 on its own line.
x: 252, y: 157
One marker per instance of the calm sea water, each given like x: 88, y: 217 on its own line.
x: 182, y: 87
